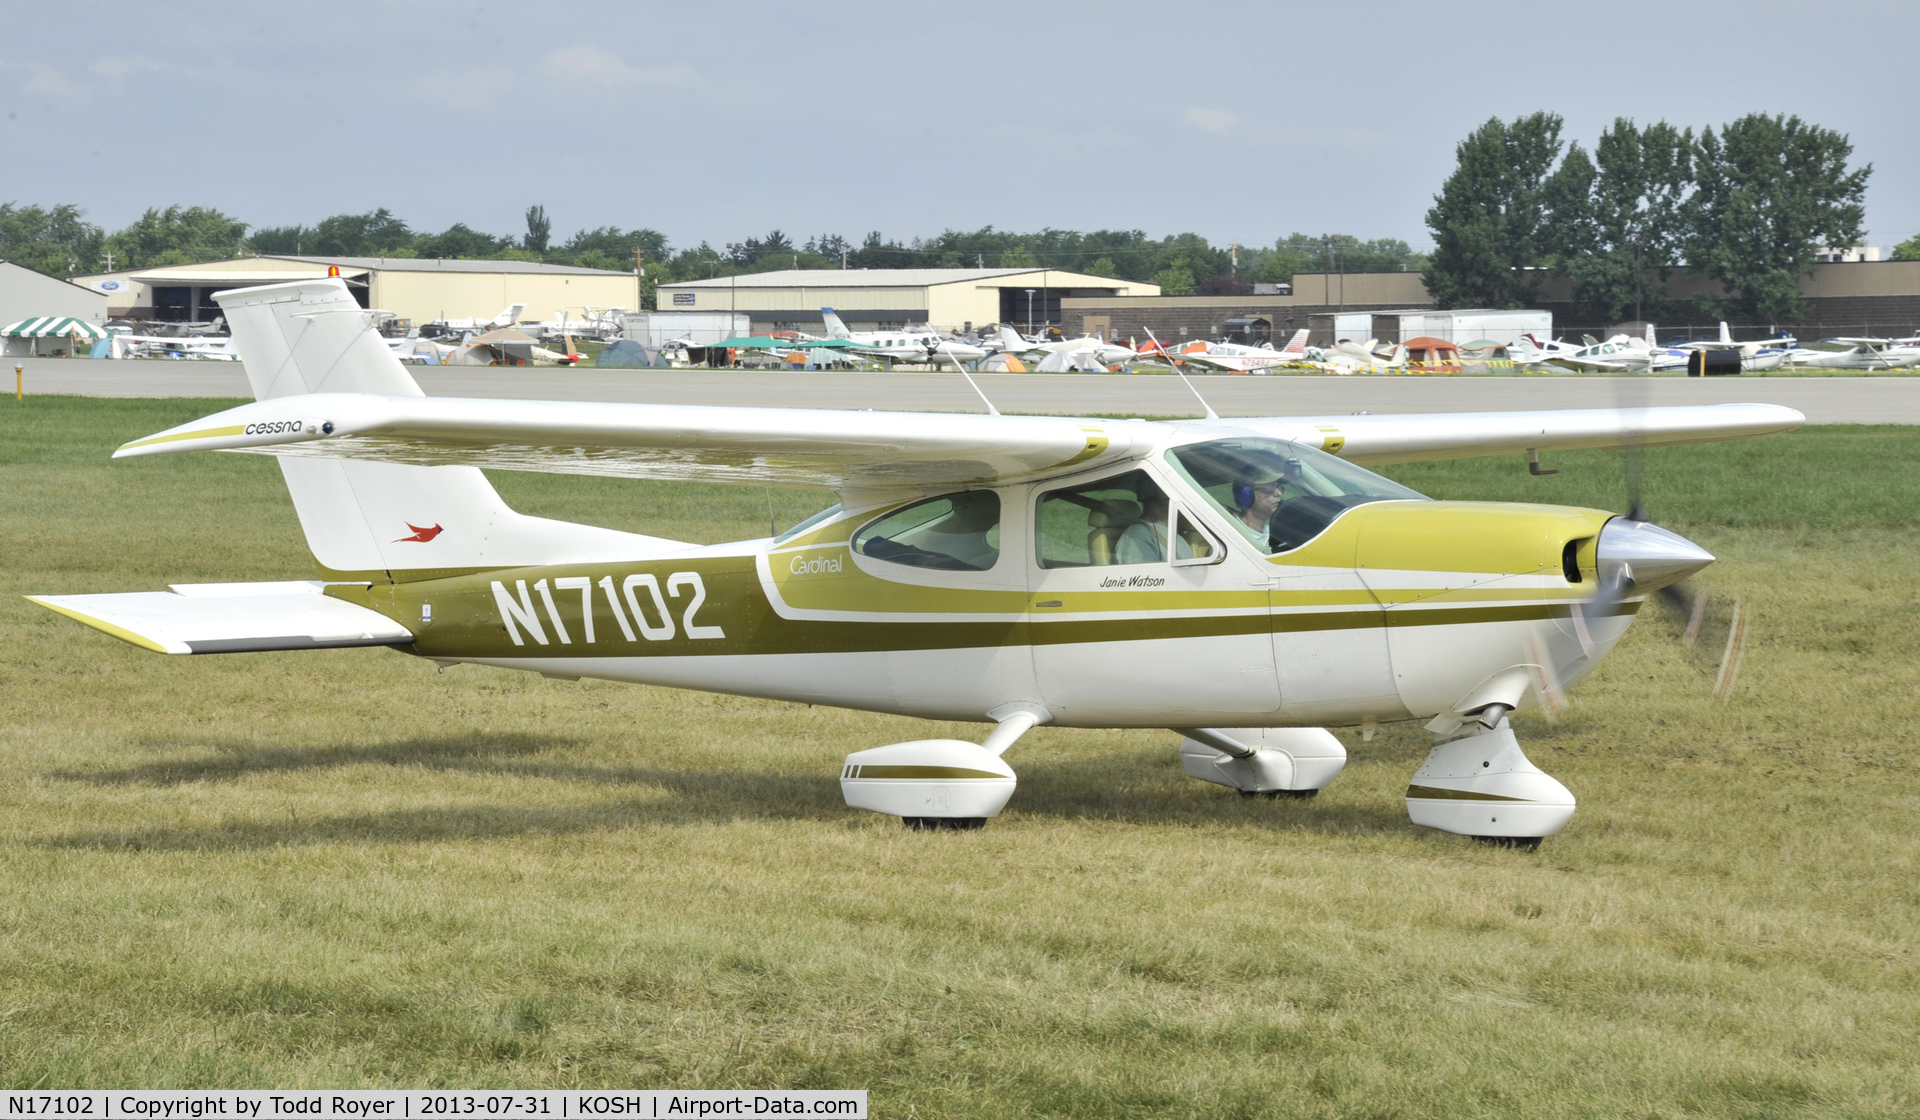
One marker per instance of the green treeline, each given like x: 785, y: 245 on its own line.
x: 58, y: 240
x: 1748, y: 204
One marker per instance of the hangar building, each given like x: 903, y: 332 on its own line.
x: 418, y: 290
x: 944, y: 299
x: 27, y: 293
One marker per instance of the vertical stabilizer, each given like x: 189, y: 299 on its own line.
x: 509, y: 317
x: 383, y: 520
x: 1726, y: 336
x: 835, y: 328
x: 1010, y: 340
x: 1296, y: 346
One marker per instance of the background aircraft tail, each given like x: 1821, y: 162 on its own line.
x: 1726, y: 335
x: 1297, y: 345
x: 383, y: 521
x: 835, y: 328
x: 1010, y: 340
x: 509, y: 317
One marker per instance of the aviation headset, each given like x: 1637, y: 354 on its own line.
x: 1243, y: 491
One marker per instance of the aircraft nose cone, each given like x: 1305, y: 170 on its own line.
x: 1653, y: 557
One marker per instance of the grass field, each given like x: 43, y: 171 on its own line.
x: 348, y: 869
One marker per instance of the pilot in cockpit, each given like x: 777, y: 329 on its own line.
x: 1258, y: 495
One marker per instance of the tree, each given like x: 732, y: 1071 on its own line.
x: 178, y: 235
x: 1908, y: 250
x: 57, y: 241
x: 1618, y: 220
x: 1103, y: 267
x: 1489, y: 219
x: 611, y: 243
x: 1018, y: 257
x: 1176, y: 279
x: 1771, y: 191
x: 458, y: 242
x: 539, y: 228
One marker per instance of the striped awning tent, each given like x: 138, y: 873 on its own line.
x: 54, y: 326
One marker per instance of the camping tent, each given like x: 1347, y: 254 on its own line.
x: 625, y: 354
x: 74, y: 331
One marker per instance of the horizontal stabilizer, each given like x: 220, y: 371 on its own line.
x: 232, y: 618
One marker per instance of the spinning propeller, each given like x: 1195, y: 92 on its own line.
x: 1634, y: 557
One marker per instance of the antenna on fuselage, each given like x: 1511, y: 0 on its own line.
x: 1174, y: 364
x: 991, y: 411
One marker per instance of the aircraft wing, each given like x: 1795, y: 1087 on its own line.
x: 1464, y: 435
x: 232, y: 618
x: 814, y: 447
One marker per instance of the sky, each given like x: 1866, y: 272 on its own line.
x: 720, y: 121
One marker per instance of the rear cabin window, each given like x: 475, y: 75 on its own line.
x: 953, y: 533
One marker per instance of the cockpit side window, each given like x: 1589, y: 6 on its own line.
x: 1279, y: 494
x: 953, y: 533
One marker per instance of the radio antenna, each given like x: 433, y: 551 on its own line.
x: 1175, y: 364
x: 991, y: 411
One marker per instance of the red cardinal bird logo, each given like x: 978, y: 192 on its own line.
x: 419, y: 534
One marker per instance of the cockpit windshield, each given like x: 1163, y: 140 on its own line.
x: 1279, y: 494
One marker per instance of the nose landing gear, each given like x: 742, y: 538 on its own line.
x: 1481, y: 784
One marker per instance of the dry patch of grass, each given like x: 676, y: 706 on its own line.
x: 346, y: 868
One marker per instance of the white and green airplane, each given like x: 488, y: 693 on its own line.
x: 1246, y: 583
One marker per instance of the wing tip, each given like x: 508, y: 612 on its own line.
x: 105, y: 627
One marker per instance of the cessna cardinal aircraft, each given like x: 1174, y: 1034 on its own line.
x: 1245, y: 582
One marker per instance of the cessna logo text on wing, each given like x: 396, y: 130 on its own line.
x: 275, y: 427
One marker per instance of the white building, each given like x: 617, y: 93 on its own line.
x: 1457, y: 327
x: 942, y: 299
x: 26, y: 293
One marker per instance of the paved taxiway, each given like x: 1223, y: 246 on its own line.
x: 1824, y: 400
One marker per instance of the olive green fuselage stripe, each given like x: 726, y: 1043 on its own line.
x: 466, y: 620
x: 951, y: 772
x: 1435, y: 793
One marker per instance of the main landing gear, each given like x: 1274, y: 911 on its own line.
x: 1478, y: 782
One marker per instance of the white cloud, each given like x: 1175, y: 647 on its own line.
x: 1211, y: 120
x: 597, y: 67
x: 471, y: 90
x: 46, y: 79
x: 122, y: 67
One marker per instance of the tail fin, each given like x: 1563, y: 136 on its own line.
x: 1297, y: 345
x: 386, y: 521
x: 1010, y: 340
x: 1651, y: 344
x: 1726, y: 335
x: 509, y: 317
x: 835, y: 328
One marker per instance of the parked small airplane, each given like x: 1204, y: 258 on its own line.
x: 1761, y: 354
x: 1245, y: 582
x: 596, y: 326
x: 507, y: 318
x: 1346, y: 356
x: 1087, y: 352
x: 1237, y: 358
x: 894, y: 347
x: 1860, y: 353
